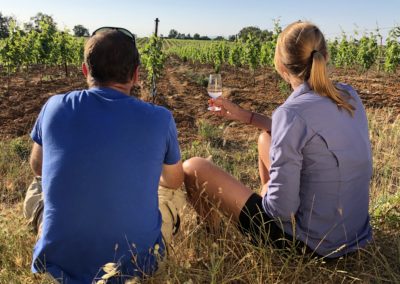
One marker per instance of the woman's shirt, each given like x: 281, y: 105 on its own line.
x: 321, y: 166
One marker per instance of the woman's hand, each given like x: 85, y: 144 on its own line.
x: 230, y: 110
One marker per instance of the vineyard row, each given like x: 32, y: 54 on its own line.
x: 51, y: 47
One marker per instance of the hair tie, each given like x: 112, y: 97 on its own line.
x: 313, y: 52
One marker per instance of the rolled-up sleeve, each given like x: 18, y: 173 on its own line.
x: 289, y: 135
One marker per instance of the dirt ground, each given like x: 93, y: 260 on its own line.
x: 182, y: 89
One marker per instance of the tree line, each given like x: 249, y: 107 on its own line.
x: 243, y: 34
x: 253, y: 49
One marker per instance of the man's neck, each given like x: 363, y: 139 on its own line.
x: 123, y: 88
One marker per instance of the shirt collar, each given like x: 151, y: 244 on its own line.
x: 108, y: 92
x: 300, y: 90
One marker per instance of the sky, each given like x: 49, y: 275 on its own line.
x: 211, y: 17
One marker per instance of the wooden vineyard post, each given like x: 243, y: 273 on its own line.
x: 153, y: 90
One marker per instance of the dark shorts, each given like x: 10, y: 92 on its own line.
x: 262, y: 229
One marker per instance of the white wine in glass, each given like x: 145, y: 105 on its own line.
x: 214, y: 89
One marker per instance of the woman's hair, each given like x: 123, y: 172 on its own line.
x: 302, y: 50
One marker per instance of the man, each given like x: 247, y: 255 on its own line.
x: 102, y: 155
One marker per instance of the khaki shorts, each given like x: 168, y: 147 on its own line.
x: 171, y: 204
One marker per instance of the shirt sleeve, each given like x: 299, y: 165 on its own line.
x: 36, y: 133
x: 289, y: 134
x: 173, y: 153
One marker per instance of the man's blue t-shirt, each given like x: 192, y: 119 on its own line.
x: 103, y: 153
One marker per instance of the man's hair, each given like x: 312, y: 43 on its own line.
x: 111, y: 57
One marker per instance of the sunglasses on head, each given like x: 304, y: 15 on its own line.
x: 121, y: 30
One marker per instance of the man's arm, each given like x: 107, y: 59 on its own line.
x: 36, y: 159
x: 172, y: 175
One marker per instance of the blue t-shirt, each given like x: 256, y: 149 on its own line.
x: 103, y: 153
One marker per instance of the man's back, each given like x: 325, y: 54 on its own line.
x: 102, y: 158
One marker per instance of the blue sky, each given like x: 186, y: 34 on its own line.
x: 208, y: 17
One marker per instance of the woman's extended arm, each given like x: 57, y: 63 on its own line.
x: 235, y: 112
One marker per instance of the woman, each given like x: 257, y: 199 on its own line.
x: 314, y: 158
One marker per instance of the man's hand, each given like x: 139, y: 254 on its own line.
x: 36, y: 159
x: 172, y: 175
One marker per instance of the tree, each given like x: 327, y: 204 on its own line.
x: 255, y: 32
x: 40, y: 20
x: 266, y: 35
x: 80, y: 31
x: 232, y: 38
x: 196, y: 36
x: 219, y: 38
x: 205, y: 38
x: 4, y: 26
x: 173, y: 34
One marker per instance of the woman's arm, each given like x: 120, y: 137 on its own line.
x: 282, y: 199
x: 234, y: 112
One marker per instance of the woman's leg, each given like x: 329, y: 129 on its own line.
x: 206, y: 182
x: 264, y: 162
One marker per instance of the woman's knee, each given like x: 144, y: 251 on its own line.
x: 194, y: 164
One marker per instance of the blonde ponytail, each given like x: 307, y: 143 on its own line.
x: 322, y: 85
x: 302, y: 51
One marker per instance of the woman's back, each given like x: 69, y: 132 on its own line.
x: 321, y: 167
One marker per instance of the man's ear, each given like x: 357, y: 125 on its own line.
x: 85, y: 70
x: 135, y: 78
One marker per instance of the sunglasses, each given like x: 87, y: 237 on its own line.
x: 121, y: 30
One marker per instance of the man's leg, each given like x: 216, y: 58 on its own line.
x: 171, y: 203
x: 33, y: 205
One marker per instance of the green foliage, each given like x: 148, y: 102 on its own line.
x: 346, y: 52
x: 251, y: 52
x: 367, y: 51
x: 21, y: 148
x: 255, y: 32
x: 4, y: 25
x: 42, y: 43
x: 235, y: 54
x: 284, y: 88
x: 80, y: 31
x: 208, y: 131
x: 153, y: 58
x: 392, y: 54
x: 219, y: 55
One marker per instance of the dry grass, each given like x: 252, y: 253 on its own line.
x: 197, y: 256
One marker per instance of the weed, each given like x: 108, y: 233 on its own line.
x: 284, y: 88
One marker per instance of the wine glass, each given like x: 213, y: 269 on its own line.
x: 214, y: 89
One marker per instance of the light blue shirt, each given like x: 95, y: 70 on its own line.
x: 321, y: 166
